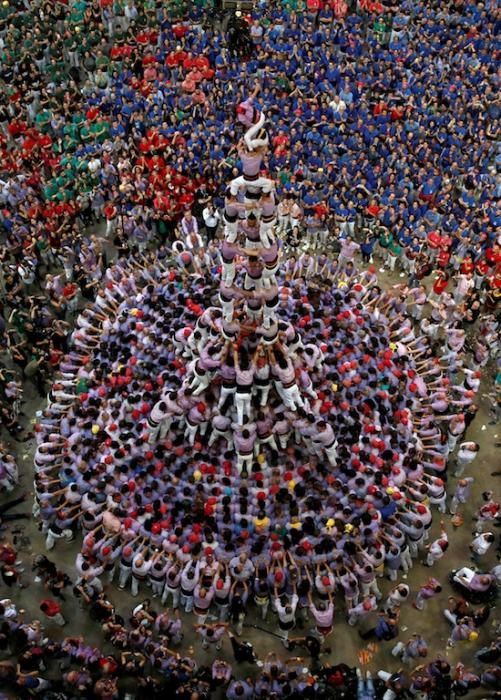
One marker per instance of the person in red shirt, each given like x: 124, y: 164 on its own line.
x: 443, y: 258
x: 70, y: 294
x: 481, y: 269
x: 52, y: 610
x: 467, y: 266
x: 373, y: 209
x: 111, y: 214
x: 493, y: 255
x: 440, y: 283
x: 313, y: 7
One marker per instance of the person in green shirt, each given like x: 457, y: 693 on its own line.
x: 380, y: 29
x: 85, y: 132
x: 56, y: 71
x: 50, y: 190
x: 71, y: 130
x: 285, y: 176
x: 42, y: 121
x: 5, y: 12
x: 56, y: 48
x: 64, y: 194
x: 71, y: 45
x: 101, y: 79
x: 394, y: 252
x: 102, y: 61
x: 150, y: 12
x: 100, y: 130
x: 283, y: 82
x: 77, y: 11
x: 78, y: 117
x: 28, y: 42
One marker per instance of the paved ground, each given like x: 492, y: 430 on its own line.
x: 345, y: 643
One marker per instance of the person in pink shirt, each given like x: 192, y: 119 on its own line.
x: 323, y: 614
x: 244, y: 374
x: 349, y: 248
x: 429, y: 590
x: 285, y: 378
x: 212, y: 635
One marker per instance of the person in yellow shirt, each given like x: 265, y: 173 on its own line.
x: 261, y: 522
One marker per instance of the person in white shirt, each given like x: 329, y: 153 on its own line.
x: 397, y: 596
x: 467, y: 453
x: 337, y: 105
x: 140, y: 569
x: 480, y: 545
x: 194, y: 242
x: 286, y: 614
x: 211, y: 218
x: 437, y: 549
x: 9, y: 609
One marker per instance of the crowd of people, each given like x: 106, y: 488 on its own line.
x: 145, y: 659
x: 122, y: 110
x: 278, y: 441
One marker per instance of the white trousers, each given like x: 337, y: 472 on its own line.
x: 228, y: 308
x: 268, y: 275
x: 368, y: 588
x: 231, y: 230
x: 175, y: 593
x: 262, y: 183
x: 51, y: 538
x: 228, y: 273
x: 406, y: 559
x: 264, y: 391
x: 385, y: 676
x: 200, y: 383
x: 225, y: 392
x: 244, y: 463
x: 265, y: 441
x: 440, y: 503
x: 331, y: 454
x: 159, y: 431
x: 283, y: 222
x: 243, y: 405
x: 251, y: 142
x: 217, y: 434
x: 266, y: 232
x: 124, y: 575
x: 284, y: 439
x: 290, y: 396
x: 269, y: 314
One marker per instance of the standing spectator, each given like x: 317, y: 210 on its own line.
x: 467, y: 453
x: 211, y: 219
x: 430, y: 589
x: 52, y: 610
x: 480, y: 545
